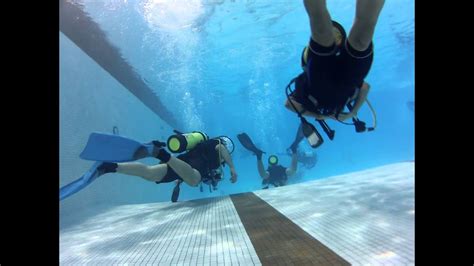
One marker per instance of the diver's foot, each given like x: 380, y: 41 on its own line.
x: 148, y: 150
x: 107, y: 167
x: 158, y: 144
x: 161, y: 154
x: 259, y: 154
x: 265, y: 187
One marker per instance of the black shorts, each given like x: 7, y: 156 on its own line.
x: 203, y: 158
x: 170, y: 176
x: 331, y: 67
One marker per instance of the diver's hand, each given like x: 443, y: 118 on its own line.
x: 233, y: 174
x: 344, y: 116
x: 320, y: 117
x: 158, y: 144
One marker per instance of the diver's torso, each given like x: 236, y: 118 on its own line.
x: 277, y: 173
x: 331, y: 80
x: 204, y: 157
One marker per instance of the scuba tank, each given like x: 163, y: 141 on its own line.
x: 181, y: 142
x: 273, y: 160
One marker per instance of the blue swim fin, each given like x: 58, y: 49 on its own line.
x: 113, y: 148
x: 79, y: 183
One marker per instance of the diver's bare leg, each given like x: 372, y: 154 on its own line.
x: 320, y: 22
x: 150, y: 173
x: 189, y: 175
x: 156, y: 172
x: 294, y: 165
x: 362, y: 31
x: 301, y: 110
x: 261, y: 169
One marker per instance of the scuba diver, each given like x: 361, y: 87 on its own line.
x: 334, y: 69
x: 201, y: 161
x: 275, y: 174
x: 308, y: 158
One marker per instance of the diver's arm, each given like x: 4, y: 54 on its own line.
x: 294, y: 164
x: 228, y: 159
x: 361, y: 97
x: 301, y: 110
x: 261, y: 170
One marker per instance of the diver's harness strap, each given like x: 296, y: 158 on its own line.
x: 359, y: 125
x: 212, y: 174
x: 322, y: 123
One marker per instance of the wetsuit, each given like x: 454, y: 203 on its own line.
x: 277, y: 176
x: 204, y: 158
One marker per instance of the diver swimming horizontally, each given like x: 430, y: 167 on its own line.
x: 201, y: 161
x: 275, y: 174
x: 334, y: 69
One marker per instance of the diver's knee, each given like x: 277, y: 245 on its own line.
x: 194, y: 182
x: 288, y: 105
x: 359, y: 43
x: 195, y: 179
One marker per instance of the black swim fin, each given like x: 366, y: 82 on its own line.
x: 248, y: 144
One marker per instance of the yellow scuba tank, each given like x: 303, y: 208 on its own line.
x: 273, y: 159
x: 184, y: 142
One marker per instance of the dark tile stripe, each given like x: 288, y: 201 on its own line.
x: 276, y: 239
x: 81, y: 29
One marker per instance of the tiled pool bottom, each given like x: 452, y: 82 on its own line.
x: 367, y: 218
x: 206, y: 231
